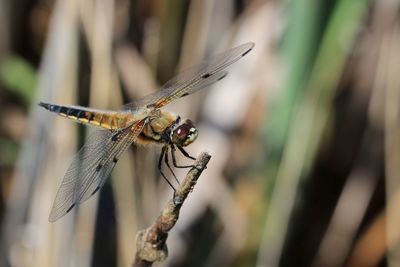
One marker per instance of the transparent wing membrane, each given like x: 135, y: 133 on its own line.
x: 193, y: 79
x: 91, y: 167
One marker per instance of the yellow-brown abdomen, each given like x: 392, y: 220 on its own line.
x: 106, y: 119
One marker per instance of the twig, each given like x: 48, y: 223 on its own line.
x: 151, y: 243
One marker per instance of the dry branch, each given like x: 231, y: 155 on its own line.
x: 151, y: 242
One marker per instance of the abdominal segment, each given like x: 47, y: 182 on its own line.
x: 106, y: 119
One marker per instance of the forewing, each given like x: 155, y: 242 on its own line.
x: 91, y: 167
x: 193, y: 79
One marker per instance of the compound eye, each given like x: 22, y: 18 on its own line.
x: 184, y: 134
x: 182, y: 131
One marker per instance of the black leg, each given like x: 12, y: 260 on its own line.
x: 174, y: 159
x: 163, y: 150
x: 185, y: 153
x: 166, y: 160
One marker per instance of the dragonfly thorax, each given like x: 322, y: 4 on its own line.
x: 166, y: 127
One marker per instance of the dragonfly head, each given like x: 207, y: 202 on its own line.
x: 184, y: 134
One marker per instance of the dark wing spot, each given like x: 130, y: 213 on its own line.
x: 185, y: 94
x: 94, y: 192
x: 115, y: 159
x: 98, y: 168
x: 150, y: 105
x: 245, y: 53
x: 70, y: 208
x: 205, y: 76
x: 223, y: 76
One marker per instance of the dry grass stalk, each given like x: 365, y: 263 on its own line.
x: 151, y: 242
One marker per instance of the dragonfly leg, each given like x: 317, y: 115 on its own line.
x: 166, y: 160
x: 185, y: 153
x: 163, y: 150
x: 173, y: 149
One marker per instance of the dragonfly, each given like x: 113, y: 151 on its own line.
x: 142, y: 122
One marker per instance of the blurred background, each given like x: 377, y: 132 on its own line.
x: 304, y: 131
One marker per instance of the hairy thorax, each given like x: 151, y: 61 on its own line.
x: 156, y: 131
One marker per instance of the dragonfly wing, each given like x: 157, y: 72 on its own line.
x: 91, y: 167
x: 193, y: 79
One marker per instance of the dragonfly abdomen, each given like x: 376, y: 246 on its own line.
x: 105, y: 119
